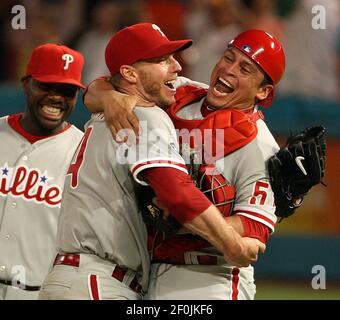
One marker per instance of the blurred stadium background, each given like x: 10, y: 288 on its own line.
x: 308, y: 94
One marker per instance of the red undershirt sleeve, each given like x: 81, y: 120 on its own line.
x: 176, y: 190
x: 255, y: 229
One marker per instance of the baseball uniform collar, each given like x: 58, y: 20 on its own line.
x: 13, y: 122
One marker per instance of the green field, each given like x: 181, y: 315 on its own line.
x: 289, y: 290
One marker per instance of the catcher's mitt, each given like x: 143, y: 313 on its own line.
x: 296, y: 168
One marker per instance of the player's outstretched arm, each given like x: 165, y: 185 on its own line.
x: 236, y: 250
x: 94, y: 92
x: 118, y: 107
x: 240, y: 251
x: 233, y: 221
x: 101, y: 96
x: 195, y: 212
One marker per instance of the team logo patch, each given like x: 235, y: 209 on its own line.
x: 247, y: 48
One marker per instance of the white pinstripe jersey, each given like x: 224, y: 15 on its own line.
x: 31, y: 182
x: 99, y: 213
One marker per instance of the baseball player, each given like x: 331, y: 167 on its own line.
x: 101, y: 236
x: 36, y: 149
x: 245, y: 76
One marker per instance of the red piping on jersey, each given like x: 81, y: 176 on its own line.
x: 258, y: 215
x: 94, y: 287
x: 14, y: 123
x: 235, y: 280
x: 135, y: 168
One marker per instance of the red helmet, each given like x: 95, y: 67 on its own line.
x: 265, y: 51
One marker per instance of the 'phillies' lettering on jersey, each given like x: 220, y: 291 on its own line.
x: 29, y: 184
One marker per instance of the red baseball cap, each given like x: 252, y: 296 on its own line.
x: 139, y: 42
x: 56, y: 63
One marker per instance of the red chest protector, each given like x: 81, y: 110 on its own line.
x: 219, y: 133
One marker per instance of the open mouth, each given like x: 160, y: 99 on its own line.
x: 170, y: 84
x: 222, y: 87
x: 52, y: 112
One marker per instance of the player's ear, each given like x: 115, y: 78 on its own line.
x: 25, y: 82
x: 264, y: 91
x: 128, y: 73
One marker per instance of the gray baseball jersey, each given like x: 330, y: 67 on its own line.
x: 99, y: 213
x: 32, y: 179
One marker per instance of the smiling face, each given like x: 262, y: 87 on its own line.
x: 236, y: 82
x: 48, y: 106
x: 156, y: 78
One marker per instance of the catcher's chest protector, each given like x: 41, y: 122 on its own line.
x: 219, y: 133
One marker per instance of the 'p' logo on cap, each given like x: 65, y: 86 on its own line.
x: 55, y: 63
x: 139, y: 42
x: 154, y: 26
x: 68, y: 59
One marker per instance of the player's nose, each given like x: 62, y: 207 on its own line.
x: 176, y: 67
x: 232, y: 69
x: 56, y: 97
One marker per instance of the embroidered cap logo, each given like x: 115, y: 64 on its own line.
x: 68, y: 59
x: 154, y: 26
x: 247, y: 48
